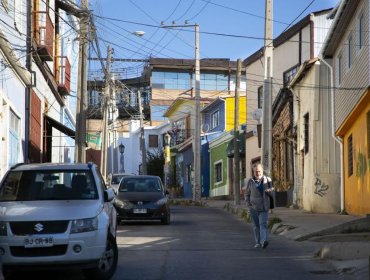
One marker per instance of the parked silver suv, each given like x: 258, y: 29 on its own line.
x: 56, y: 215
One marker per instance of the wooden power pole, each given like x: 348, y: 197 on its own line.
x: 105, y: 108
x: 80, y: 139
x: 236, y: 136
x: 267, y: 92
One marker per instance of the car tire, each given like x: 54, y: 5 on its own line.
x: 107, y: 264
x: 166, y: 220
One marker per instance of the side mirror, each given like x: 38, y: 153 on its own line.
x: 109, y: 194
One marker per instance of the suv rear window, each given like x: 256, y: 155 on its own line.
x: 48, y: 185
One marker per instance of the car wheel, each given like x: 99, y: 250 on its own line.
x: 107, y: 264
x: 166, y: 220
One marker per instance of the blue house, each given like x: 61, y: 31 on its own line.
x: 217, y: 118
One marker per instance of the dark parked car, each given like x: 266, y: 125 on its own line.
x: 142, y: 197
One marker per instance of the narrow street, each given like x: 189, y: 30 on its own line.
x: 208, y: 243
x: 203, y: 243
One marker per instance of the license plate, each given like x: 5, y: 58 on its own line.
x: 139, y: 211
x: 32, y: 242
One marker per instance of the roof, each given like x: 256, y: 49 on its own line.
x: 181, y: 100
x: 214, y: 102
x: 141, y: 177
x: 51, y: 166
x: 220, y: 64
x: 343, y: 15
x: 303, y: 69
x: 284, y: 36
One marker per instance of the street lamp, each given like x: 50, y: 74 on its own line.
x: 121, y: 149
x: 167, y: 159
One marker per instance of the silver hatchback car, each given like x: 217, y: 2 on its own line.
x: 55, y: 215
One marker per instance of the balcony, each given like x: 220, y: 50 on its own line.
x: 43, y: 34
x: 63, y: 75
x: 179, y: 136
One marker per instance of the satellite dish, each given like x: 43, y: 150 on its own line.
x: 257, y: 114
x: 205, y: 128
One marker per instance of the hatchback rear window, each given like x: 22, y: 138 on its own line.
x: 140, y: 185
x: 48, y: 185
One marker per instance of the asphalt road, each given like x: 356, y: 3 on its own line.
x: 204, y: 243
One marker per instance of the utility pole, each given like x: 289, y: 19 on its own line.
x: 236, y: 136
x: 105, y: 108
x: 197, y: 187
x: 80, y: 139
x: 197, y: 194
x: 142, y: 136
x: 267, y: 92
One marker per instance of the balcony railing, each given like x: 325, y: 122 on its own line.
x: 179, y: 136
x: 44, y: 30
x: 63, y: 75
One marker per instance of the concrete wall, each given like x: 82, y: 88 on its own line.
x: 318, y: 171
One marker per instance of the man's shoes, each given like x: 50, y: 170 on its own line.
x: 257, y: 245
x: 265, y: 244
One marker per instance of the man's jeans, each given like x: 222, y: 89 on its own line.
x: 259, y: 219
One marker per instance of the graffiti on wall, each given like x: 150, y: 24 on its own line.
x: 320, y: 188
x: 361, y: 165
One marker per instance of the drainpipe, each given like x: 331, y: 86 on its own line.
x: 29, y: 87
x: 336, y: 138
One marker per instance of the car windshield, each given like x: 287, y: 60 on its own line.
x: 116, y: 179
x: 48, y: 185
x: 140, y: 185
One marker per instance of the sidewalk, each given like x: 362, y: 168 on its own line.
x: 342, y: 239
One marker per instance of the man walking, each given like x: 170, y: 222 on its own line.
x: 257, y: 197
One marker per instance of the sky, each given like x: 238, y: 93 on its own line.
x: 228, y: 29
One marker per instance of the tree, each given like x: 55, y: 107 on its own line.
x: 155, y: 163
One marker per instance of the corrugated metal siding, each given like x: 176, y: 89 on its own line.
x: 356, y: 79
x: 327, y: 149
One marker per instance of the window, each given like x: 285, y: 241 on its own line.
x: 95, y: 98
x: 349, y: 51
x: 188, y: 173
x: 350, y: 156
x: 213, y: 81
x: 218, y: 172
x: 260, y: 97
x: 157, y: 112
x: 171, y: 80
x: 153, y: 141
x: 13, y: 138
x: 360, y: 41
x: 215, y: 119
x: 289, y: 74
x: 306, y: 132
x: 339, y: 68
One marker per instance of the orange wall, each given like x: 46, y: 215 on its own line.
x: 357, y: 186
